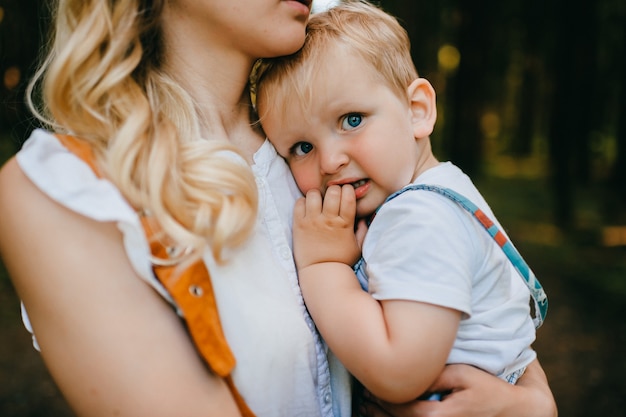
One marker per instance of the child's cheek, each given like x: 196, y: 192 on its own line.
x: 306, y: 180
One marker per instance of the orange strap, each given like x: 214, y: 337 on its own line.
x: 191, y: 289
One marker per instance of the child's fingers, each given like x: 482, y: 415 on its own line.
x: 332, y: 201
x: 347, y: 210
x: 299, y: 210
x: 313, y: 202
x: 361, y: 231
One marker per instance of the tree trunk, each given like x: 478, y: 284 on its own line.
x: 534, y: 27
x: 573, y: 87
x: 469, y: 86
x: 616, y: 194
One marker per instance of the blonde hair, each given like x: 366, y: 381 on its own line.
x: 364, y: 29
x: 102, y: 83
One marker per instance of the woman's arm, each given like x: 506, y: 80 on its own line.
x: 476, y: 393
x: 111, y: 343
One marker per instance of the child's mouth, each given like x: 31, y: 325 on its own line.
x: 361, y: 187
x: 359, y: 183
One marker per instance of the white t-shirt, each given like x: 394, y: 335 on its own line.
x: 424, y: 247
x: 282, y: 365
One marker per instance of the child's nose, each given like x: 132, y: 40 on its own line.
x: 333, y: 160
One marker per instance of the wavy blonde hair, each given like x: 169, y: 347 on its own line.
x: 102, y: 82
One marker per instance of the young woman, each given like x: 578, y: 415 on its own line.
x: 157, y: 92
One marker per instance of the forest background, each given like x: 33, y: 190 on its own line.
x: 532, y: 105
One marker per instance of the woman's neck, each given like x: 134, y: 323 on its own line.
x: 216, y: 76
x: 224, y: 108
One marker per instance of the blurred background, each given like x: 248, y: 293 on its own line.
x: 532, y: 105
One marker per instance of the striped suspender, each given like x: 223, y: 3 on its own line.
x: 536, y: 291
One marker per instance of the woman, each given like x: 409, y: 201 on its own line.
x: 158, y: 91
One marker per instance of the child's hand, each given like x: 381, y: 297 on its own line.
x: 323, y: 231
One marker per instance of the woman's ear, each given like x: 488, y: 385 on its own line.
x: 423, y: 107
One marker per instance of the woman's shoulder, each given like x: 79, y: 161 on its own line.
x: 17, y: 191
x: 29, y: 218
x: 46, y: 174
x: 65, y: 178
x: 41, y: 189
x: 12, y: 182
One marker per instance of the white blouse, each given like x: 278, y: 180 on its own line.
x: 282, y: 364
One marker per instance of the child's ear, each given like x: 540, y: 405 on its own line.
x: 423, y: 107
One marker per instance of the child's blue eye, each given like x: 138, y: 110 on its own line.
x: 351, y: 121
x: 301, y: 148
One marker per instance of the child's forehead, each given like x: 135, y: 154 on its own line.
x: 322, y: 74
x: 338, y: 60
x: 325, y: 80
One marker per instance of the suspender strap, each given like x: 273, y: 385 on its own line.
x: 536, y: 290
x: 191, y: 289
x: 193, y: 293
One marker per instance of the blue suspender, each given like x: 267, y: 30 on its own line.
x: 536, y: 291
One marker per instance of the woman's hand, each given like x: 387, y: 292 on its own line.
x: 475, y: 393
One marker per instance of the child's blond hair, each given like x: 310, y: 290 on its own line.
x: 360, y: 28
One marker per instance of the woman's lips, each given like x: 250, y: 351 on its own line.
x: 303, y: 5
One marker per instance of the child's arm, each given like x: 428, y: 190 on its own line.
x: 395, y: 348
